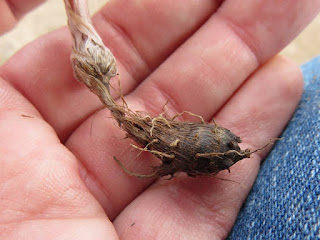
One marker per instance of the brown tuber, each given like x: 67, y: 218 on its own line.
x: 194, y: 148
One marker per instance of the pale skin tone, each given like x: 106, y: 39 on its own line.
x: 58, y: 178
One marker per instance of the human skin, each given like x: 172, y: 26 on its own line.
x: 216, y: 59
x: 12, y: 10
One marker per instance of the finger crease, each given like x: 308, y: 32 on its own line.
x: 242, y: 35
x: 125, y: 36
x: 167, y: 98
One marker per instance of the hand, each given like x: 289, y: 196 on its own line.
x: 58, y: 177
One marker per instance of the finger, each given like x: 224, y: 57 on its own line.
x: 41, y: 191
x: 126, y: 28
x: 217, y: 59
x: 12, y: 10
x: 19, y: 8
x: 7, y: 19
x: 154, y: 28
x: 206, y: 208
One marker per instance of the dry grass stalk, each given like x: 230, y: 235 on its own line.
x: 196, y: 148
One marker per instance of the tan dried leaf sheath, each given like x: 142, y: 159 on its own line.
x: 194, y: 148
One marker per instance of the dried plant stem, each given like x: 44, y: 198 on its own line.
x: 195, y: 148
x: 93, y: 63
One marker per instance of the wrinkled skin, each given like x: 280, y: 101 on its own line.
x: 58, y: 178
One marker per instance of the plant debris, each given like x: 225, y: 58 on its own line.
x: 196, y: 148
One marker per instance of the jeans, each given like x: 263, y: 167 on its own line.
x: 285, y: 200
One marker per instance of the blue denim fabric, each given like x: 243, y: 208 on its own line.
x: 285, y: 200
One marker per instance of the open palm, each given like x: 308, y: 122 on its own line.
x: 58, y: 177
